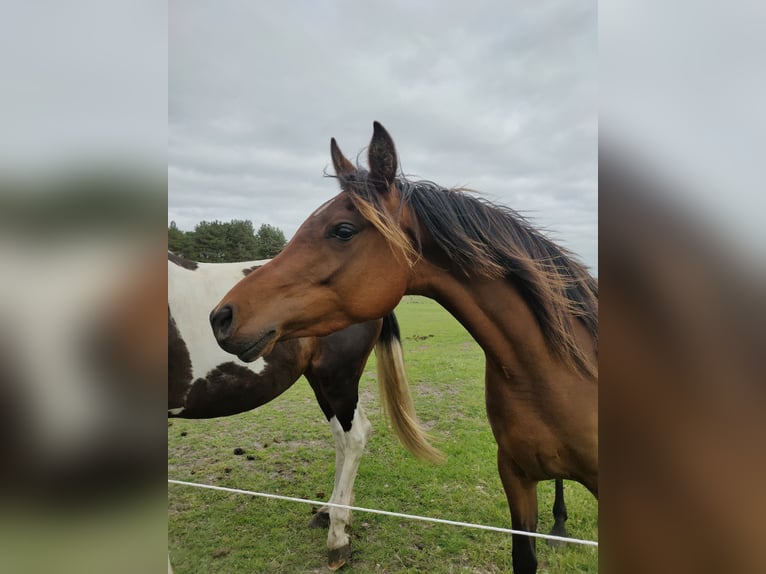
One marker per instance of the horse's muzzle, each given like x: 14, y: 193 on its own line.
x: 222, y: 322
x: 247, y: 348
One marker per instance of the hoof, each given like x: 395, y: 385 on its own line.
x: 557, y: 530
x: 320, y: 520
x: 338, y: 557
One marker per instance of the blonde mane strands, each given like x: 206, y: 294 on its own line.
x: 391, y: 231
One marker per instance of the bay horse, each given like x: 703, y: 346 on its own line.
x: 205, y: 382
x: 531, y: 306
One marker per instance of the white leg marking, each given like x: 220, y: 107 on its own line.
x: 351, y: 444
x: 340, y: 455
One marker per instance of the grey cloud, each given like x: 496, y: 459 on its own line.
x: 501, y: 97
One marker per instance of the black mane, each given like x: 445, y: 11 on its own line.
x: 485, y: 239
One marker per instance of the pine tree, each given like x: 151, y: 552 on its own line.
x: 218, y: 242
x: 270, y: 241
x: 209, y: 242
x: 178, y: 242
x: 241, y: 243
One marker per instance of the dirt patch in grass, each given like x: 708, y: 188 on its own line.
x: 433, y: 391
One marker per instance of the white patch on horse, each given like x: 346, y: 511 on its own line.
x: 177, y: 411
x: 322, y: 207
x: 191, y: 297
x: 349, y: 447
x: 257, y: 366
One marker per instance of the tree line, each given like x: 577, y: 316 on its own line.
x: 219, y: 242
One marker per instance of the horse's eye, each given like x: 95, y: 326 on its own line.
x: 343, y: 231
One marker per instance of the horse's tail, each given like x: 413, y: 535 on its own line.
x: 395, y: 394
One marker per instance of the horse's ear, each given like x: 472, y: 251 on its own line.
x: 340, y: 163
x: 382, y: 158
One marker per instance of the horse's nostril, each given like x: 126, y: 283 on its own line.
x: 222, y: 322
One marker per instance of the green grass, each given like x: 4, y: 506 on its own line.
x: 292, y: 452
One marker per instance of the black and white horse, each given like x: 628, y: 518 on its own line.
x: 204, y: 381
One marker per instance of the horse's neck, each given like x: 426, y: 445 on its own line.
x: 494, y: 313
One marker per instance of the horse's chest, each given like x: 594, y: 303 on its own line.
x: 523, y: 432
x: 533, y: 446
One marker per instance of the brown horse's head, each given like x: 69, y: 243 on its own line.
x: 347, y: 263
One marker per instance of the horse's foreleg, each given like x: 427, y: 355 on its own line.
x: 522, y: 501
x: 322, y: 518
x: 559, y: 514
x: 351, y: 443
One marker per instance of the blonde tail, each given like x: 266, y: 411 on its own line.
x: 395, y: 393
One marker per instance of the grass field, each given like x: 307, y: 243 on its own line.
x: 290, y: 452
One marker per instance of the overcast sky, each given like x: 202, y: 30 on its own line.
x: 498, y: 96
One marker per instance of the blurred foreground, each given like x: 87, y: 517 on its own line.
x: 683, y: 291
x: 83, y: 370
x: 82, y: 212
x: 682, y: 386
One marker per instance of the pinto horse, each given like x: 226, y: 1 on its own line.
x: 205, y: 382
x: 529, y: 303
